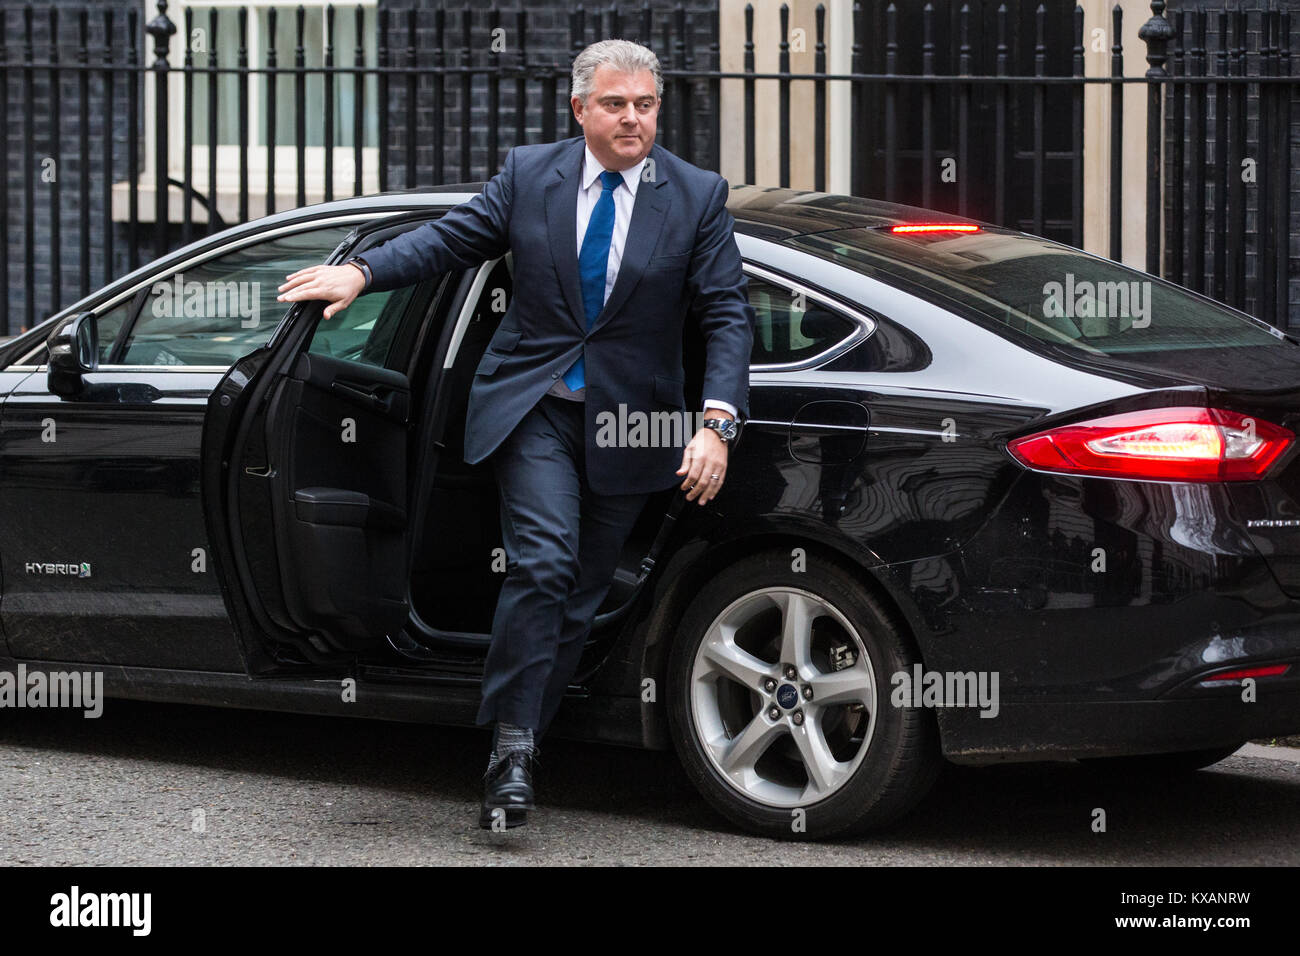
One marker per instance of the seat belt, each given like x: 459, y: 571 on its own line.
x: 670, y: 519
x: 661, y: 539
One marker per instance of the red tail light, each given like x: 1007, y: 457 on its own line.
x: 936, y: 227
x: 1159, y: 444
x: 1268, y: 670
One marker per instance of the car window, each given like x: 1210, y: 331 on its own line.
x: 108, y: 325
x: 214, y: 312
x: 1038, y: 289
x: 789, y: 326
x: 364, y: 331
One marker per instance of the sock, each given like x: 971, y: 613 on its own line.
x: 507, y: 738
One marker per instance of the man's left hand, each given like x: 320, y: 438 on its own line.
x: 705, y: 462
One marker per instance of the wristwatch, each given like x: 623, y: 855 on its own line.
x: 726, y: 428
x: 363, y: 266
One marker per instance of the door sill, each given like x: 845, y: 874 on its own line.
x: 418, y: 651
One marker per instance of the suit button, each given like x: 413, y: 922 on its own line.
x: 555, y: 375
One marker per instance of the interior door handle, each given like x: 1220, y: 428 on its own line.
x: 365, y: 395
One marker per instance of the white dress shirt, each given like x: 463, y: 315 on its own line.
x: 589, y: 190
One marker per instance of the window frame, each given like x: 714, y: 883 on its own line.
x: 864, y: 325
x: 26, y: 363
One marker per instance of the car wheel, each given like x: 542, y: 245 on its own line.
x: 1184, y: 761
x: 778, y: 702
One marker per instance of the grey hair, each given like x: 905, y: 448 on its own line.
x: 624, y: 55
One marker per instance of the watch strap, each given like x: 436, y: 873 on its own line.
x: 364, y: 267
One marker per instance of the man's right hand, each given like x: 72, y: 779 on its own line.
x: 337, y: 285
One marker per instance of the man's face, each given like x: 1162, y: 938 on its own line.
x: 620, y: 116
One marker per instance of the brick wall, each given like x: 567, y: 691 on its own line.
x: 36, y: 146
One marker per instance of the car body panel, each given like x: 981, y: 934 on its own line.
x: 116, y: 471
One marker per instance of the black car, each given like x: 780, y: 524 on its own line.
x: 998, y: 500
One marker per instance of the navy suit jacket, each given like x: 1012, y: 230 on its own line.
x: 680, y: 262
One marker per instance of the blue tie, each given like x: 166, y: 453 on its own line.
x: 593, y: 262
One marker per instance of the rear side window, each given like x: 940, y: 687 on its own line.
x: 1043, y: 289
x: 789, y: 326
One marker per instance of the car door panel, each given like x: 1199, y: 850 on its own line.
x: 305, y: 475
x: 339, y: 494
x: 104, y: 555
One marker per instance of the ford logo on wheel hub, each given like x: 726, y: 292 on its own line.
x: 787, y: 696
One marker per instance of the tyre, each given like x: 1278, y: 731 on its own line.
x: 778, y: 702
x: 1184, y: 761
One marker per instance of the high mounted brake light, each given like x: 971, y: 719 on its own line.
x: 936, y: 227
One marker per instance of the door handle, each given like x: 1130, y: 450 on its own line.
x: 364, y: 395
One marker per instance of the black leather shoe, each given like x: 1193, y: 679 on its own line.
x: 509, y: 787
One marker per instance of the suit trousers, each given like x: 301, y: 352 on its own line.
x: 562, y: 544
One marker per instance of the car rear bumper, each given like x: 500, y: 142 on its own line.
x: 1065, y: 730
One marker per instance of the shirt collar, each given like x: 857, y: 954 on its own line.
x: 591, y: 170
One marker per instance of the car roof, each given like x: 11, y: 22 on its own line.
x: 765, y: 212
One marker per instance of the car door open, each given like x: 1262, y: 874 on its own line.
x: 305, y: 474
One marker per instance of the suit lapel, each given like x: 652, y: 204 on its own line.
x: 562, y: 226
x: 649, y: 212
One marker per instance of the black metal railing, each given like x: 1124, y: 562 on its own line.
x: 1228, y: 170
x: 991, y: 91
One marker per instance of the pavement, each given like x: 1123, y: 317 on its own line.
x: 177, y: 785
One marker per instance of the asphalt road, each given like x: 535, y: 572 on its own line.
x: 284, y: 789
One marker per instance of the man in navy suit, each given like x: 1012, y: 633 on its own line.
x: 616, y: 243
